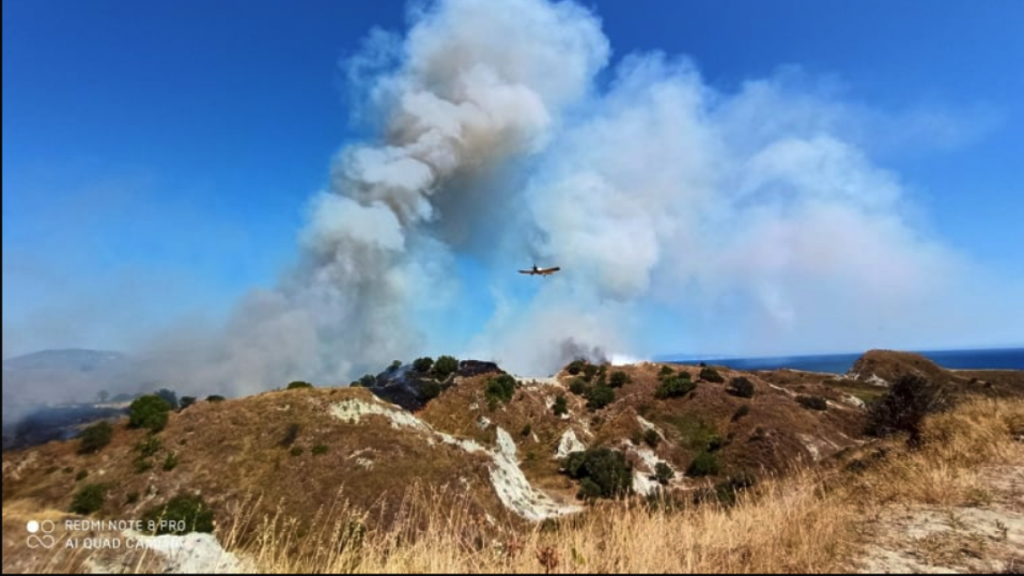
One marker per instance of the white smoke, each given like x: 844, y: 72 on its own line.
x: 757, y: 218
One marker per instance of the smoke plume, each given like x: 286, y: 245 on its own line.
x: 747, y: 221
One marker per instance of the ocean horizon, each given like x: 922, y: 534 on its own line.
x: 992, y: 359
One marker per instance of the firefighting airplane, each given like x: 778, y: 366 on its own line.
x: 540, y: 271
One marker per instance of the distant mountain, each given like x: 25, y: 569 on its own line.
x: 62, y: 376
x: 74, y: 359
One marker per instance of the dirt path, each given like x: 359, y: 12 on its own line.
x: 987, y: 538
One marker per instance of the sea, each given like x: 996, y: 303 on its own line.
x: 993, y: 359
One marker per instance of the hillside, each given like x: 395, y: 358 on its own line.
x: 294, y: 455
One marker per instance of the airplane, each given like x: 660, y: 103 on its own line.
x: 540, y: 271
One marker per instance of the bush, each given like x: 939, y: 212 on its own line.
x: 727, y: 490
x: 142, y: 465
x: 578, y: 386
x: 82, y: 475
x: 575, y: 367
x: 320, y: 450
x: 526, y: 431
x: 561, y: 407
x: 685, y: 375
x: 740, y: 412
x: 148, y: 446
x: 903, y: 408
x: 705, y: 464
x: 189, y: 511
x: 618, y: 379
x: 430, y: 390
x: 297, y: 451
x: 813, y: 402
x: 168, y: 396
x: 368, y: 381
x: 665, y: 371
x: 171, y: 462
x: 215, y: 398
x: 741, y: 387
x: 299, y: 385
x: 663, y: 473
x: 674, y: 387
x: 603, y: 473
x: 652, y: 438
x: 423, y: 365
x: 711, y: 375
x: 500, y: 389
x: 444, y: 367
x: 600, y: 396
x: 95, y: 438
x: 291, y: 434
x: 90, y: 499
x: 185, y: 402
x: 149, y: 412
x: 589, y: 371
x: 397, y: 364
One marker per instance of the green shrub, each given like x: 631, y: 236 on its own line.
x: 187, y: 511
x: 396, y: 365
x: 291, y: 434
x: 299, y: 385
x: 652, y: 438
x: 741, y: 387
x: 665, y: 371
x: 740, y: 412
x: 576, y: 367
x: 578, y: 386
x: 444, y: 367
x: 600, y: 396
x: 813, y: 402
x: 608, y: 473
x: 903, y: 408
x: 186, y: 402
x: 423, y: 365
x: 705, y: 464
x: 663, y: 473
x: 561, y: 406
x: 430, y: 390
x: 215, y: 398
x: 618, y: 379
x: 95, y: 438
x: 320, y: 450
x: 297, y: 451
x: 526, y: 431
x: 711, y: 375
x: 149, y: 412
x: 168, y: 396
x: 170, y: 462
x: 500, y: 389
x: 727, y: 490
x: 90, y: 499
x: 368, y: 381
x: 674, y: 387
x: 142, y: 465
x: 82, y: 475
x: 589, y: 371
x: 148, y: 446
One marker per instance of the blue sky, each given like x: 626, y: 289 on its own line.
x: 158, y: 156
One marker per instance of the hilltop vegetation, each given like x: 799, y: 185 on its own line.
x: 489, y: 446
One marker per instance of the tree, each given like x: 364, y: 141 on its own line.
x: 904, y: 407
x: 423, y: 365
x: 299, y: 385
x: 185, y: 402
x: 607, y: 470
x: 575, y: 367
x: 578, y: 386
x: 90, y: 499
x: 95, y: 438
x: 444, y: 367
x: 396, y: 365
x: 705, y: 464
x: 674, y: 387
x: 618, y: 379
x: 665, y: 371
x: 652, y: 438
x: 813, y: 402
x: 561, y: 407
x: 102, y: 396
x: 663, y: 473
x: 368, y: 381
x: 711, y: 375
x: 600, y: 396
x: 215, y: 398
x: 169, y: 396
x: 741, y: 387
x: 500, y: 389
x: 149, y: 412
x: 184, y: 510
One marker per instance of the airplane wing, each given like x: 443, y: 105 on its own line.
x: 547, y: 271
x: 526, y: 271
